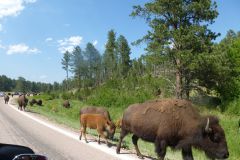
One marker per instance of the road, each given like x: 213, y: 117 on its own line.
x: 19, y: 128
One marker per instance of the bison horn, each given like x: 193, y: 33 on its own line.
x: 207, y: 129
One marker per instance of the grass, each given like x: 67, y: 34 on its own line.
x: 52, y: 108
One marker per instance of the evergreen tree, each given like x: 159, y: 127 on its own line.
x: 124, y: 55
x: 93, y: 59
x: 221, y: 71
x: 78, y: 66
x: 179, y: 28
x: 110, y: 57
x: 66, y: 64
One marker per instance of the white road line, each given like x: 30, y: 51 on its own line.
x: 74, y: 136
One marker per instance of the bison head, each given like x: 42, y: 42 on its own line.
x: 110, y: 129
x: 214, y: 142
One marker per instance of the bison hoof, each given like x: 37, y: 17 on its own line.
x: 140, y: 156
x: 118, y: 150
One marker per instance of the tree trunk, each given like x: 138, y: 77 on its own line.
x: 178, y: 80
x: 187, y: 88
x: 67, y: 81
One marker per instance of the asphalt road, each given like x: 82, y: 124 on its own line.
x: 17, y: 128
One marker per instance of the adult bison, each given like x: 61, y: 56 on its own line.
x: 6, y: 99
x: 22, y: 102
x: 66, y: 104
x: 96, y: 110
x: 175, y: 123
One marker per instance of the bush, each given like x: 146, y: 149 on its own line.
x: 121, y: 93
x: 67, y: 95
x: 233, y: 107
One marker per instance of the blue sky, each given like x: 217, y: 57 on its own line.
x: 34, y: 33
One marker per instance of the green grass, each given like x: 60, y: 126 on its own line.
x: 53, y: 109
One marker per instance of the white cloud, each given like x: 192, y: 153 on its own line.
x: 68, y: 44
x: 95, y: 42
x: 43, y: 77
x: 30, y: 1
x: 21, y: 49
x: 48, y: 39
x: 12, y: 7
x: 2, y: 47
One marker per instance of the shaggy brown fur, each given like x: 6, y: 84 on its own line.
x: 175, y: 123
x: 22, y: 102
x: 96, y: 110
x: 98, y: 122
x: 6, y: 99
x: 66, y: 104
x: 39, y: 102
x: 32, y: 102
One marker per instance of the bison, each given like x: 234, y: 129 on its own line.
x: 39, y: 102
x: 174, y: 123
x: 96, y: 121
x: 6, y: 99
x: 32, y: 102
x: 22, y: 102
x: 96, y: 110
x: 66, y: 104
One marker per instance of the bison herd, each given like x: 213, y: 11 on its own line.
x: 171, y: 123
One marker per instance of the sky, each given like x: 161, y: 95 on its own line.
x: 34, y: 34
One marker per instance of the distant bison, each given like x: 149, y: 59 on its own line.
x: 66, y: 104
x: 22, y: 102
x: 96, y: 121
x: 175, y: 123
x: 39, y: 102
x: 32, y: 102
x: 96, y: 110
x: 6, y: 99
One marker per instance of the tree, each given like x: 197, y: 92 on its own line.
x: 224, y: 68
x: 21, y: 85
x: 110, y: 57
x: 78, y: 66
x: 124, y: 55
x: 66, y: 63
x: 93, y: 59
x: 179, y: 29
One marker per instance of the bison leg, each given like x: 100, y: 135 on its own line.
x: 160, y: 148
x: 83, y: 130
x: 134, y: 141
x: 101, y: 134
x: 122, y: 135
x: 187, y: 153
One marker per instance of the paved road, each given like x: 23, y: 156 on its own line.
x: 17, y: 128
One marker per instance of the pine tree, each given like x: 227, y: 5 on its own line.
x: 179, y: 28
x: 110, y: 57
x: 78, y: 66
x: 66, y: 64
x: 93, y: 59
x: 124, y: 55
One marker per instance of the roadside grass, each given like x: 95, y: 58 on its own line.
x: 53, y: 110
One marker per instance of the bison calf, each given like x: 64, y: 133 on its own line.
x: 96, y: 110
x: 103, y: 126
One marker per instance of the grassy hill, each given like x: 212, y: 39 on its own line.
x: 116, y: 96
